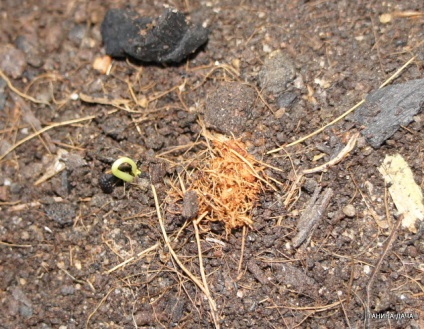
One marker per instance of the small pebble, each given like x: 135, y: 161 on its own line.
x: 190, y: 205
x: 67, y: 290
x: 24, y: 235
x: 102, y: 64
x: 412, y: 251
x: 349, y: 210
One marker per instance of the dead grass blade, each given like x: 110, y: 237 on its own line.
x: 17, y: 91
x: 316, y: 132
x: 138, y: 256
x: 54, y: 125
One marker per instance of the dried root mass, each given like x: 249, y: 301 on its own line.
x: 228, y: 185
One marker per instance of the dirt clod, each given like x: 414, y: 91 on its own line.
x: 229, y: 107
x: 12, y: 61
x: 349, y: 210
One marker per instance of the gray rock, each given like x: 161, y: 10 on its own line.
x: 277, y: 71
x: 30, y: 46
x: 62, y: 213
x: 286, y: 100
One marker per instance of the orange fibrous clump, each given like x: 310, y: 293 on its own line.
x: 228, y: 185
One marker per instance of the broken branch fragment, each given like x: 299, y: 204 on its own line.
x: 312, y: 215
x: 386, y: 109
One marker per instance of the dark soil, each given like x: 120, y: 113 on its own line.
x: 62, y: 237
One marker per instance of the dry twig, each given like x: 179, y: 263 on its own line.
x: 312, y: 215
x: 16, y: 91
x: 343, y: 153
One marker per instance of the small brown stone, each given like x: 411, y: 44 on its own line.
x: 349, y: 210
x: 190, y: 205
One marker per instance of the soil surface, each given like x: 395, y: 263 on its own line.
x: 73, y: 256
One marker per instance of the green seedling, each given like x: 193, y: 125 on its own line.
x: 123, y: 175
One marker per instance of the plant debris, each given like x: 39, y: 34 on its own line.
x: 228, y: 185
x: 312, y: 215
x: 166, y: 39
x: 190, y: 205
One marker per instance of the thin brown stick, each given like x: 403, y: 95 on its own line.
x: 7, y: 244
x: 243, y: 242
x: 345, y: 314
x: 97, y: 307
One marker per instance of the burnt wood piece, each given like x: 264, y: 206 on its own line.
x: 386, y: 109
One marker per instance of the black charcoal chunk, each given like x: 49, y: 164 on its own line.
x: 166, y: 39
x: 386, y: 109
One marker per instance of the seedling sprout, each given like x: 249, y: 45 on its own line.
x: 123, y: 175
